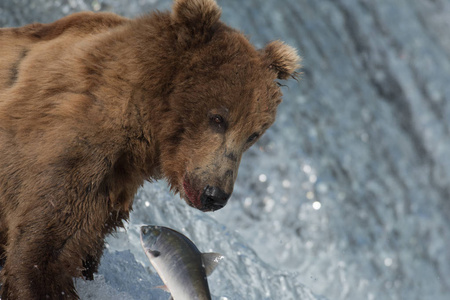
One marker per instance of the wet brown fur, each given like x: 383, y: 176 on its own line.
x: 93, y: 104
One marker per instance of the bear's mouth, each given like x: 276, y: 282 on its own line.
x: 191, y: 195
x: 210, y: 198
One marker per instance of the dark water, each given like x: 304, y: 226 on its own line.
x: 348, y: 193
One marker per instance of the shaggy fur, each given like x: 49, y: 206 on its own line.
x: 94, y: 104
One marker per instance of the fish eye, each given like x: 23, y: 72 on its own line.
x: 253, y: 137
x: 154, y: 253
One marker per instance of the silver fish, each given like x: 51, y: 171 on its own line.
x: 179, y: 263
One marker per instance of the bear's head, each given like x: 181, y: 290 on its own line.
x: 224, y: 97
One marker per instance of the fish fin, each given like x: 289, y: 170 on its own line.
x: 162, y: 287
x: 210, y: 261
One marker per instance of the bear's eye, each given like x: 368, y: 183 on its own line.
x: 218, y: 123
x: 218, y: 119
x: 253, y: 137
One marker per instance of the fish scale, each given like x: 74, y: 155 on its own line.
x: 179, y: 263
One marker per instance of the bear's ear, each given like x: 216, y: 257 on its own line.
x: 283, y: 59
x: 197, y: 17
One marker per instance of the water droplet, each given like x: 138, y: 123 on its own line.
x: 307, y: 168
x: 388, y: 261
x: 269, y: 204
x: 96, y: 5
x: 316, y: 205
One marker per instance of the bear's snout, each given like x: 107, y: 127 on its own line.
x: 213, y: 198
x: 208, y: 198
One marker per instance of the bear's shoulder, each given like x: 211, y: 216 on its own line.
x: 77, y: 23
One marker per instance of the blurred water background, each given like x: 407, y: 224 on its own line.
x: 347, y: 195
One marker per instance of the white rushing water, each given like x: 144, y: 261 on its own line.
x: 125, y: 272
x: 347, y: 195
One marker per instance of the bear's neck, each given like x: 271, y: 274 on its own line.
x: 138, y: 66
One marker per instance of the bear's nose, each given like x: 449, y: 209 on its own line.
x: 213, y: 198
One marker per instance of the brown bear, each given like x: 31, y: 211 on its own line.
x: 94, y: 104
